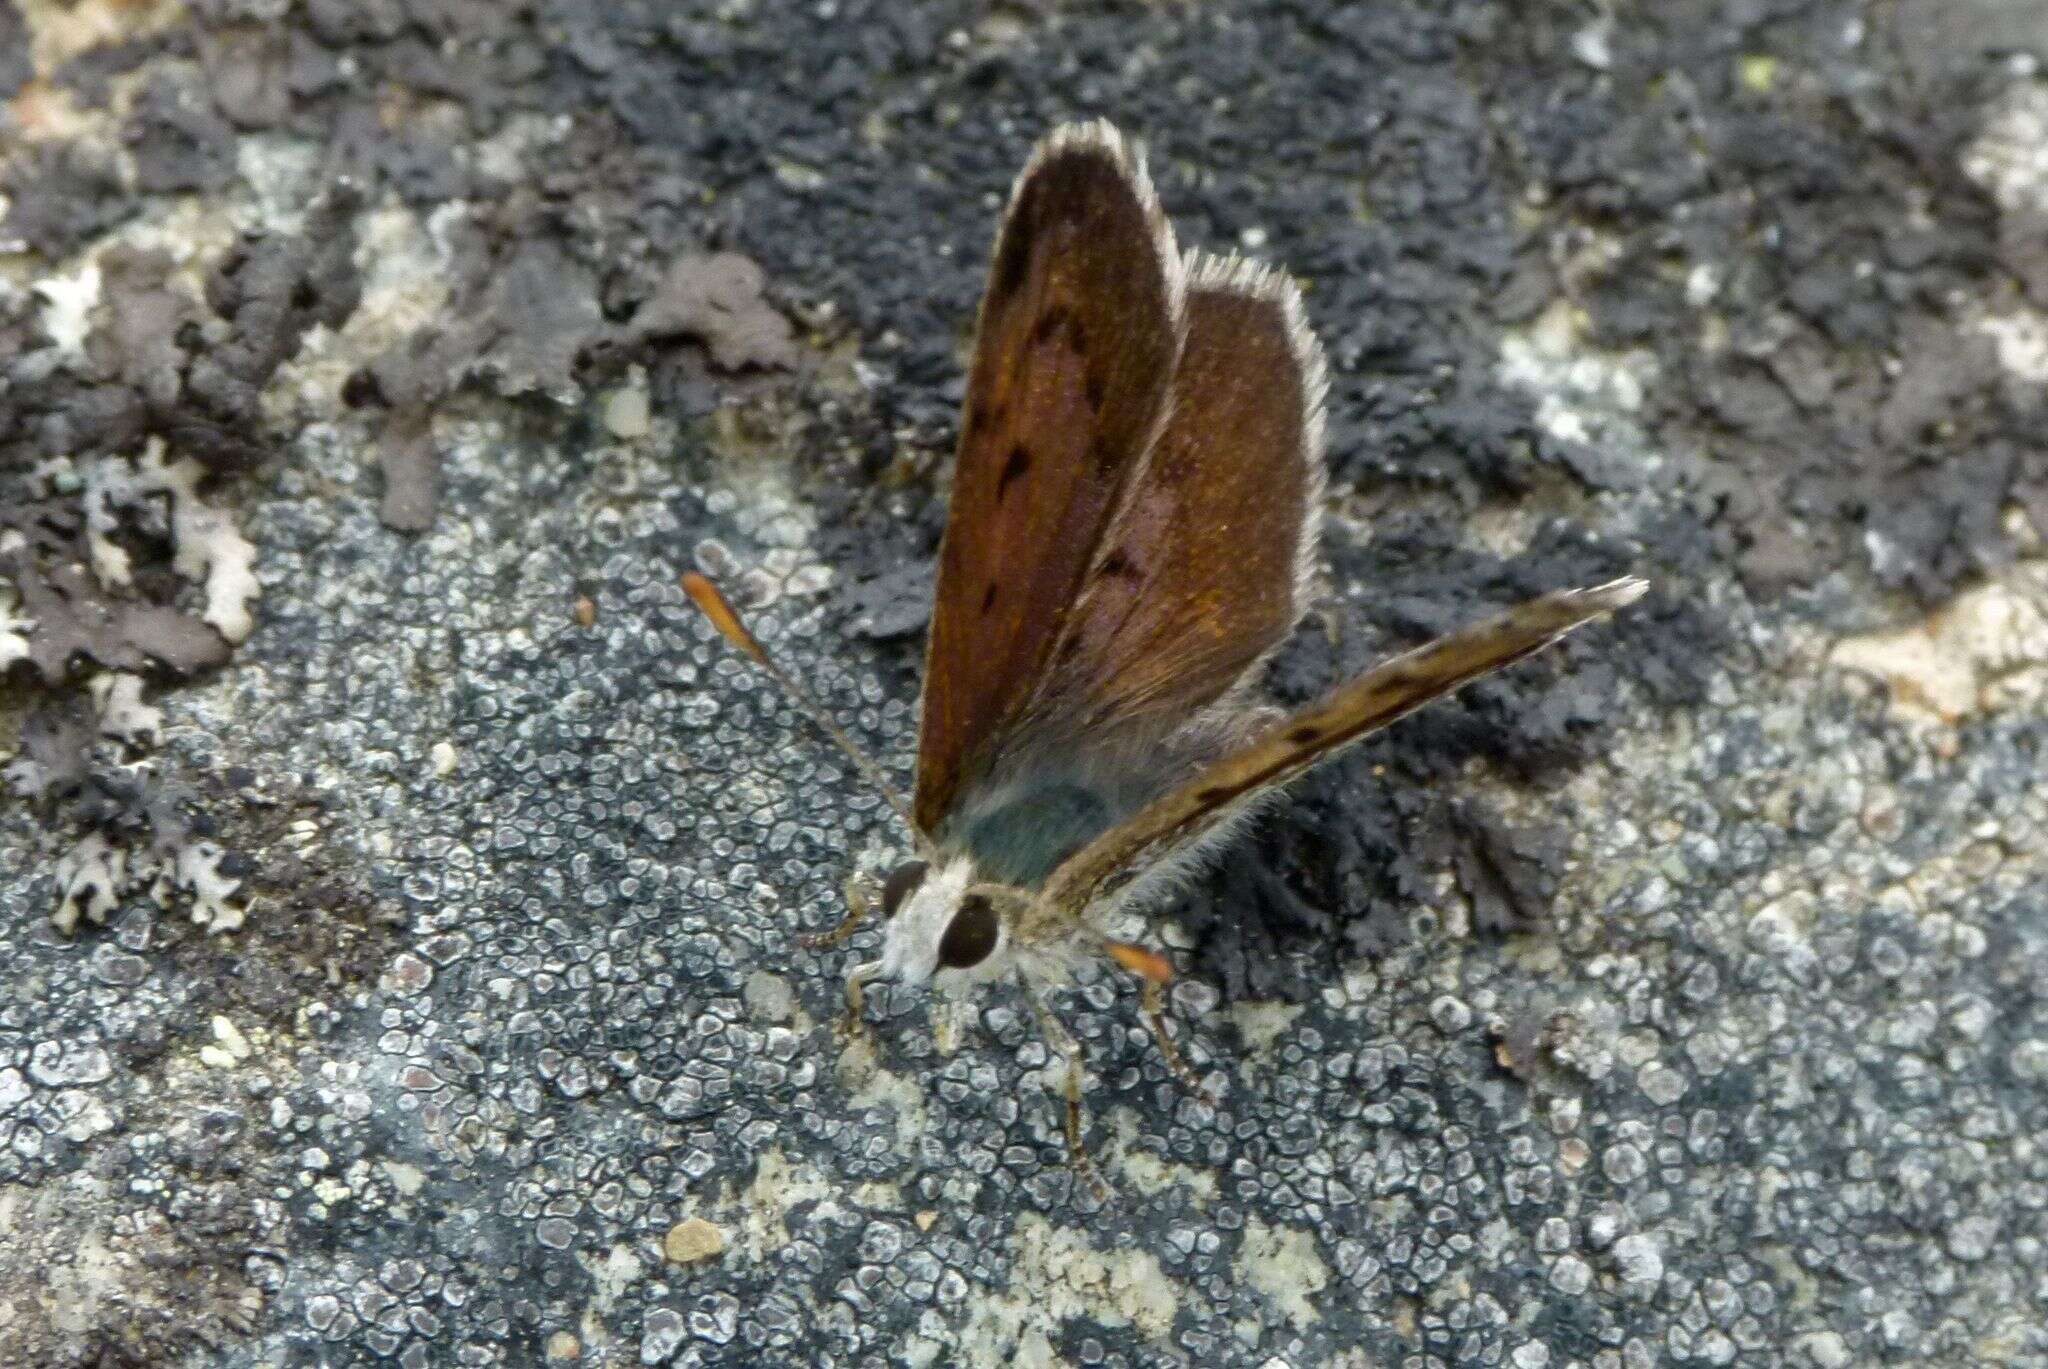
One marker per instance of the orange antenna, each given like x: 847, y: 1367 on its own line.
x: 719, y: 610
x: 1147, y: 965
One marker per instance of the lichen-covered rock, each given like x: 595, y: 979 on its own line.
x: 1677, y: 998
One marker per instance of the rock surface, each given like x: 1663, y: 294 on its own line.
x: 432, y: 994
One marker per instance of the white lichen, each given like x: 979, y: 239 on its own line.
x: 68, y: 302
x: 95, y: 875
x: 2021, y: 337
x: 123, y: 715
x: 1584, y: 394
x: 209, y: 549
x: 109, y: 487
x: 90, y: 877
x: 2009, y: 158
x: 197, y: 872
x: 1284, y: 1264
x: 171, y: 869
x: 14, y: 629
x: 1057, y: 1275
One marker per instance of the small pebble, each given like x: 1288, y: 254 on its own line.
x: 692, y: 1242
x: 626, y: 413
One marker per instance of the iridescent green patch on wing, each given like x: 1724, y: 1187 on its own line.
x: 1022, y: 841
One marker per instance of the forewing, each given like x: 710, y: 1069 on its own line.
x: 1207, y: 567
x: 1075, y: 349
x: 1353, y: 711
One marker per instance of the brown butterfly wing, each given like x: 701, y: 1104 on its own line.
x: 1075, y: 350
x: 1207, y: 568
x: 1383, y: 694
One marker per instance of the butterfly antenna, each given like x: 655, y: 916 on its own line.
x: 719, y: 610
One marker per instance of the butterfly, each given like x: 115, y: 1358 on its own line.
x: 1132, y: 533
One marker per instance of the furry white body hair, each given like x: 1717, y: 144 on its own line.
x: 910, y: 942
x: 1060, y: 939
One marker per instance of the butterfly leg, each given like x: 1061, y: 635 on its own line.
x: 859, y: 903
x: 857, y: 981
x: 1063, y: 1041
x: 1155, y: 1017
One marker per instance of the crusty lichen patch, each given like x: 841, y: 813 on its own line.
x: 1283, y: 1264
x: 871, y: 1086
x: 1260, y: 1024
x: 1139, y: 1171
x: 778, y: 1186
x: 1057, y: 1275
x: 1984, y: 651
x: 59, y: 32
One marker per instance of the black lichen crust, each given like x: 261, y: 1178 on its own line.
x: 1802, y: 166
x: 1423, y: 173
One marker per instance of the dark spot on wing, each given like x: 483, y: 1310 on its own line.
x: 1215, y: 794
x: 1120, y: 565
x: 1049, y: 323
x: 1013, y: 469
x: 988, y: 597
x: 1094, y: 392
x: 1302, y: 736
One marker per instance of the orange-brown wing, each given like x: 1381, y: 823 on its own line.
x: 1075, y: 349
x: 1207, y: 568
x: 1347, y: 715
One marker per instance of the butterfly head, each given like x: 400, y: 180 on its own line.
x: 944, y: 926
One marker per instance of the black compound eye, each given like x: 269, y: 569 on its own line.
x: 970, y: 936
x: 901, y: 884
